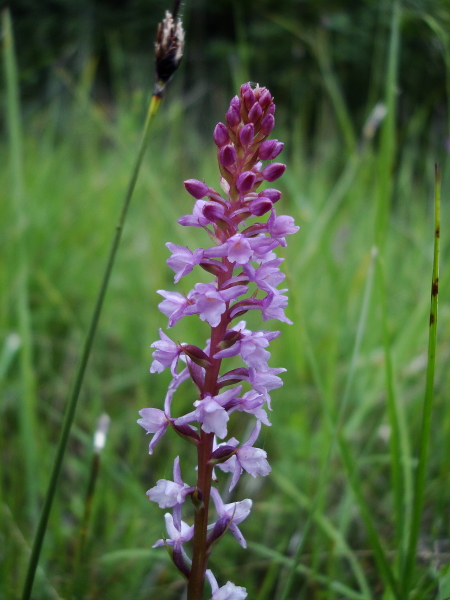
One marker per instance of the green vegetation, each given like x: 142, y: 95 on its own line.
x: 335, y: 517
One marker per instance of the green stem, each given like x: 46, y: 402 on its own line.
x: 424, y: 442
x: 27, y: 406
x: 401, y: 475
x: 72, y: 404
x: 386, y: 154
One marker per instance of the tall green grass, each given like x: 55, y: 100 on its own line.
x: 20, y: 225
x: 340, y: 516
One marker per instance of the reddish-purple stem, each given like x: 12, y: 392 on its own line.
x: 204, y: 477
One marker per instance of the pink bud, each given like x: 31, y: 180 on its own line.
x: 233, y: 117
x: 249, y: 98
x: 265, y: 97
x: 220, y: 135
x: 267, y: 124
x: 227, y: 156
x: 247, y: 134
x: 270, y: 110
x: 213, y: 211
x: 196, y: 188
x: 186, y: 432
x: 257, y: 168
x: 197, y: 355
x: 220, y: 526
x: 245, y: 182
x: 214, y: 268
x: 223, y: 453
x: 272, y: 194
x: 236, y: 103
x: 270, y: 149
x: 255, y: 112
x: 179, y: 561
x: 259, y: 206
x: 273, y: 171
x: 229, y: 339
x: 244, y: 88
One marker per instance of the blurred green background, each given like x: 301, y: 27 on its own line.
x: 362, y: 192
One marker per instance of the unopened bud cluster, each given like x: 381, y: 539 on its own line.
x: 246, y: 276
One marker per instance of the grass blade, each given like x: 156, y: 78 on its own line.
x: 328, y: 528
x: 27, y: 407
x: 319, y: 47
x: 387, y: 134
x: 401, y: 475
x: 309, y: 573
x: 424, y: 442
x: 335, y: 425
x: 73, y: 399
x: 332, y: 205
x: 378, y: 550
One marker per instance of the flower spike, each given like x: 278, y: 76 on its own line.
x: 243, y: 274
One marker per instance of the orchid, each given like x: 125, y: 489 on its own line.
x: 178, y: 534
x: 246, y: 275
x: 247, y: 458
x: 231, y: 515
x: 168, y: 494
x: 174, y: 305
x: 154, y: 421
x: 165, y: 355
x: 229, y: 591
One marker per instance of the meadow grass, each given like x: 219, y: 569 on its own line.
x: 333, y: 520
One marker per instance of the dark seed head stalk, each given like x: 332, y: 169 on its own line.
x: 169, y: 48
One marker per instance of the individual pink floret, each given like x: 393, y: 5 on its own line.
x: 174, y: 305
x: 168, y: 494
x: 267, y: 276
x: 183, y: 260
x: 177, y: 536
x: 234, y: 513
x: 229, y: 591
x: 210, y: 303
x: 153, y: 421
x: 165, y: 355
x: 252, y: 460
